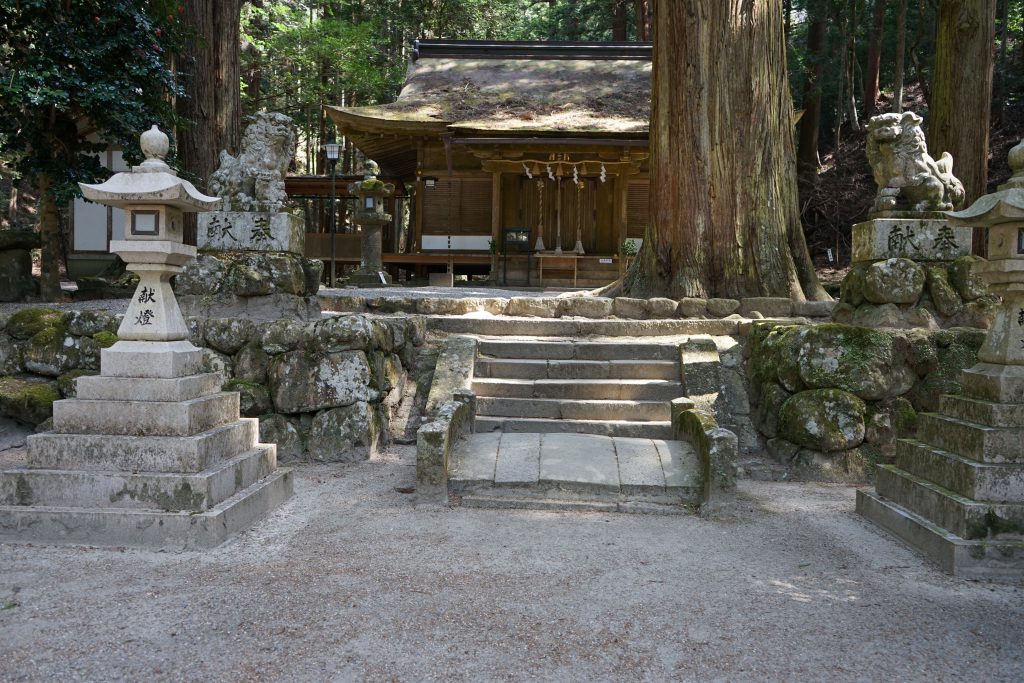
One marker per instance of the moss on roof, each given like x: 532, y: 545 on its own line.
x: 563, y: 95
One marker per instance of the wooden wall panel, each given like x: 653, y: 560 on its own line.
x: 457, y: 206
x: 638, y: 209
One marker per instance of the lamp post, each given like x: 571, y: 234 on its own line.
x: 332, y: 151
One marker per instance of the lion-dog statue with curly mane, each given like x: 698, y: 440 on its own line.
x: 254, y: 180
x: 908, y: 178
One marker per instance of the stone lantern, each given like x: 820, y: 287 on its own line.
x: 150, y: 452
x: 154, y: 199
x: 371, y: 217
x: 1002, y: 212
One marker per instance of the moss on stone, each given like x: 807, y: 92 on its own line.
x: 27, y: 399
x: 28, y: 322
x: 105, y: 339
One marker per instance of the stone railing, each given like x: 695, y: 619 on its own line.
x: 716, y: 447
x: 449, y: 413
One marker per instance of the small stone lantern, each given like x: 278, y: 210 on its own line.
x: 153, y: 198
x: 1002, y: 212
x: 371, y: 217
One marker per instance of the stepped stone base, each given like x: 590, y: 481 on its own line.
x: 151, y: 453
x: 980, y: 559
x: 956, y: 493
x: 147, y: 528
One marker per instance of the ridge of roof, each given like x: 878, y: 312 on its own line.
x: 530, y: 49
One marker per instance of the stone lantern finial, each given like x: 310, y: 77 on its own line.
x: 1016, y: 159
x: 154, y: 144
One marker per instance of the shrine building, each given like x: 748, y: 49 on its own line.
x: 541, y: 147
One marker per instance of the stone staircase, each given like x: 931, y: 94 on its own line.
x: 956, y: 493
x: 611, y: 388
x: 584, y: 423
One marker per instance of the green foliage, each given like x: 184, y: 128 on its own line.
x: 72, y: 73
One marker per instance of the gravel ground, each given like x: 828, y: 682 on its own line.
x: 351, y: 581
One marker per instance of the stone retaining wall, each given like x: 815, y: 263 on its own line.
x: 832, y: 399
x: 330, y: 390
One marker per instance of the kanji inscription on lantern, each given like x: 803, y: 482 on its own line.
x: 919, y: 239
x: 145, y: 317
x: 147, y: 295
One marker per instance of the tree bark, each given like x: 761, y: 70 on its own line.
x: 644, y: 19
x: 961, y: 97
x: 49, y: 233
x: 900, y: 67
x: 227, y: 80
x: 874, y: 64
x: 724, y: 206
x: 810, y: 122
x: 197, y: 144
x: 619, y: 20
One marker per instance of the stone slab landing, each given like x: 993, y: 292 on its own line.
x: 162, y: 461
x: 552, y: 471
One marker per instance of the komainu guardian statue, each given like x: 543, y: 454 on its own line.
x: 254, y: 180
x: 908, y: 178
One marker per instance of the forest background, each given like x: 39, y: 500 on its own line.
x: 847, y: 60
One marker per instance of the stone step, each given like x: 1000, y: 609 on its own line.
x: 983, y: 412
x: 161, y: 492
x: 566, y: 349
x: 562, y: 409
x: 145, y: 418
x: 98, y: 387
x: 105, y: 452
x: 972, y: 440
x: 146, y: 529
x: 987, y: 559
x: 959, y: 515
x: 588, y: 389
x: 976, y: 480
x: 578, y: 467
x: 558, y: 327
x: 529, y: 368
x: 625, y: 428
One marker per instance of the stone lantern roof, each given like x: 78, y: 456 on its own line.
x: 1004, y: 206
x: 152, y: 182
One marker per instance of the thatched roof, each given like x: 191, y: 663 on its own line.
x: 539, y: 91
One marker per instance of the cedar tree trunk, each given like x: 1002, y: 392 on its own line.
x: 874, y: 65
x: 961, y: 97
x: 724, y: 208
x: 49, y: 233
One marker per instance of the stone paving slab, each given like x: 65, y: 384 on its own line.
x: 579, y: 461
x: 475, y: 457
x: 639, y: 465
x: 551, y: 464
x: 680, y: 462
x: 518, y: 461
